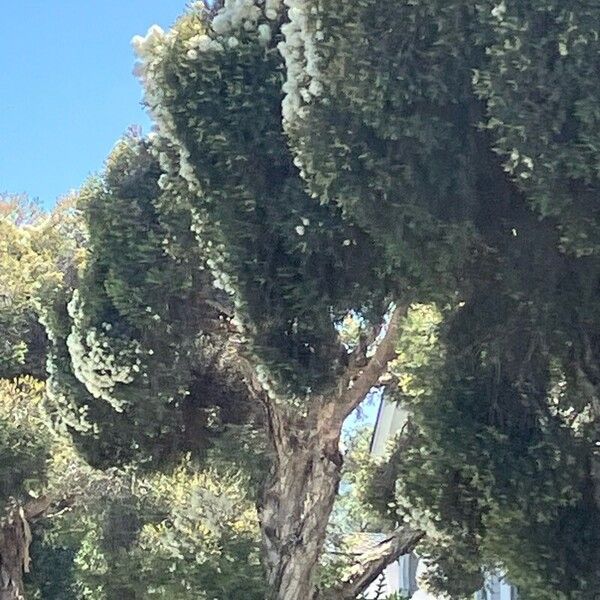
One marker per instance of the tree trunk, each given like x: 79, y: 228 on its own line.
x: 369, y: 566
x: 296, y: 509
x: 307, y: 469
x: 294, y: 520
x: 15, y: 538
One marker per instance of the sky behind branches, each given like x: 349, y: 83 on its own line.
x: 67, y: 91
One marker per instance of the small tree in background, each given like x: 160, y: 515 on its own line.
x: 31, y: 250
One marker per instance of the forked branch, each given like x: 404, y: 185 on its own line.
x: 368, y: 567
x: 357, y: 382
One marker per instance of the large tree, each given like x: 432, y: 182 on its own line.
x: 314, y: 159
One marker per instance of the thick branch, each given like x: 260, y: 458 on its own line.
x: 369, y: 566
x: 37, y: 507
x: 357, y: 383
x: 276, y: 419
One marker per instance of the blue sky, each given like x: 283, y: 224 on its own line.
x: 67, y: 91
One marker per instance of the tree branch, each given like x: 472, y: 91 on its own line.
x: 369, y: 566
x: 37, y: 507
x: 356, y: 383
x: 48, y: 507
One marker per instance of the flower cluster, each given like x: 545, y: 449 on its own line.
x: 99, y: 361
x: 302, y: 57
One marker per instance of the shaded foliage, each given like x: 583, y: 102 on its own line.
x: 141, y: 298
x: 317, y: 158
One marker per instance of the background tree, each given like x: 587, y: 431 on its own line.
x: 30, y: 267
x: 21, y: 269
x: 35, y: 479
x: 181, y: 533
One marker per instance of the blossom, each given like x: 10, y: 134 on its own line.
x: 100, y: 362
x: 264, y: 34
x: 143, y: 45
x: 234, y: 15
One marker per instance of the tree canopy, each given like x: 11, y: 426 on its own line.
x: 429, y: 168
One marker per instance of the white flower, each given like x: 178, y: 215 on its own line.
x: 315, y: 87
x: 137, y: 41
x: 264, y: 34
x: 203, y: 43
x: 499, y: 11
x: 272, y: 7
x: 220, y: 23
x: 300, y: 230
x: 155, y: 31
x: 144, y: 44
x: 234, y: 15
x: 563, y: 50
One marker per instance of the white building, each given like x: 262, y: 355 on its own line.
x: 401, y: 576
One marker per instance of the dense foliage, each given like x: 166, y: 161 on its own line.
x: 314, y: 159
x: 386, y: 118
x: 25, y: 439
x: 468, y: 478
x: 25, y: 270
x: 142, y: 296
x: 291, y: 265
x: 182, y: 533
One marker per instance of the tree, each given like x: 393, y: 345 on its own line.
x: 35, y: 477
x: 21, y: 269
x: 29, y: 268
x: 181, y: 533
x: 315, y: 159
x: 85, y: 530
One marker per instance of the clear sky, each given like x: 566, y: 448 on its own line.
x: 67, y: 91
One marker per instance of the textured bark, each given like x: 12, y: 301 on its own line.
x: 15, y: 538
x: 306, y: 474
x: 296, y: 510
